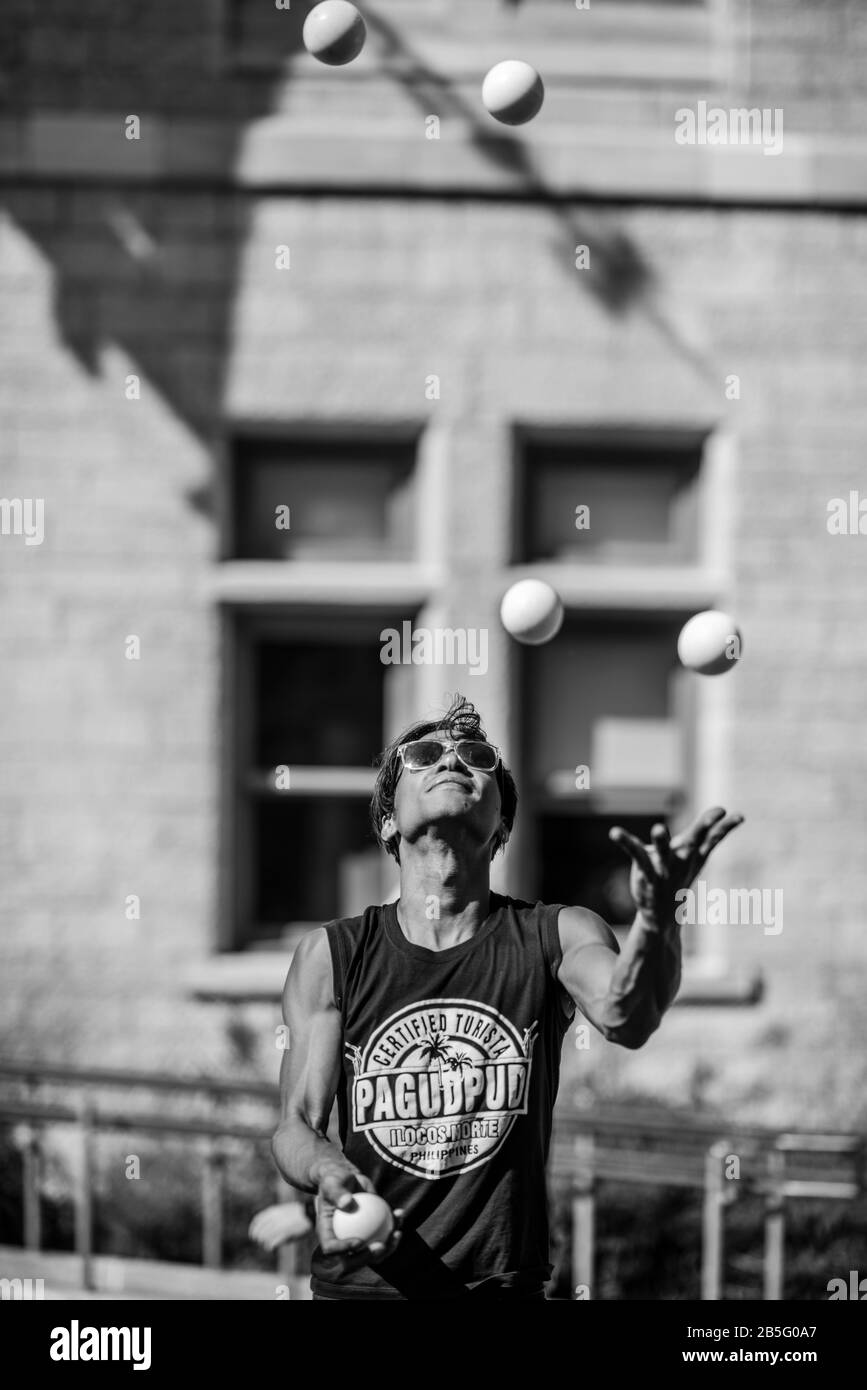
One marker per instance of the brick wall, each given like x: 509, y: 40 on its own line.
x: 110, y: 767
x: 807, y: 55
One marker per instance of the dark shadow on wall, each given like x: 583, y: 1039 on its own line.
x: 153, y: 265
x: 622, y: 279
x: 620, y: 274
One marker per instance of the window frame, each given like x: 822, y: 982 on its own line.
x: 240, y: 632
x: 624, y: 802
x: 406, y: 434
x: 624, y: 591
x: 526, y: 436
x: 288, y: 596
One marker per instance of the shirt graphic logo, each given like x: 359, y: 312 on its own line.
x: 439, y: 1084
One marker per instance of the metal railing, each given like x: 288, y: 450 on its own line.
x: 590, y: 1149
x: 33, y: 1117
x: 723, y: 1163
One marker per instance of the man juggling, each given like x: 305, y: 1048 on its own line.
x: 437, y: 1021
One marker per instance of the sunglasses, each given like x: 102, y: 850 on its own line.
x: 426, y: 752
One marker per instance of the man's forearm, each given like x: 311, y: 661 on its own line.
x: 644, y: 983
x: 303, y: 1155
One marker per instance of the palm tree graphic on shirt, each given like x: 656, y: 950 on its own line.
x: 459, y: 1060
x: 435, y: 1049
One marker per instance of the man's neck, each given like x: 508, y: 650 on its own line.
x: 442, y: 903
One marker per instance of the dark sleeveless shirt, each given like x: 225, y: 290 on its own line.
x: 450, y: 1071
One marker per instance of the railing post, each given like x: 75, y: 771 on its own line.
x: 212, y: 1206
x: 84, y: 1195
x: 775, y: 1225
x: 713, y: 1221
x: 31, y: 1165
x: 583, y: 1213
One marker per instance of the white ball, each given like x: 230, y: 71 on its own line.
x: 513, y: 92
x: 532, y: 611
x: 371, y: 1219
x: 710, y: 643
x: 334, y: 32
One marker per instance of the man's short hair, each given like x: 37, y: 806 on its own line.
x: 461, y: 720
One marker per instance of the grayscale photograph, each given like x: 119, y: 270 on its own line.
x: 433, y: 705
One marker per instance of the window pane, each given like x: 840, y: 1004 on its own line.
x: 318, y: 703
x: 316, y: 859
x: 334, y: 502
x: 641, y: 504
x: 317, y: 697
x: 605, y: 696
x: 580, y: 866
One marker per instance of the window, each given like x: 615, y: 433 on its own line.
x: 610, y: 501
x: 604, y: 745
x: 607, y: 710
x: 309, y: 723
x: 323, y: 500
x: 308, y: 701
x: 603, y: 696
x: 580, y: 865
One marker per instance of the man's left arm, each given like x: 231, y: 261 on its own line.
x: 624, y: 993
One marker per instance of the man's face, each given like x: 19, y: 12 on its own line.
x: 447, y: 791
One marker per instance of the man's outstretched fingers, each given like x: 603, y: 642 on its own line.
x: 661, y: 841
x: 694, y: 834
x: 718, y: 833
x: 634, y: 848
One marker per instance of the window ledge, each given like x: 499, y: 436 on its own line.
x: 240, y: 978
x: 239, y: 582
x: 680, y: 588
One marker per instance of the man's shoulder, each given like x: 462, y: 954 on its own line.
x: 528, y: 911
x: 579, y: 926
x: 562, y: 925
x: 507, y: 900
x: 323, y: 953
x: 340, y: 932
x: 372, y: 916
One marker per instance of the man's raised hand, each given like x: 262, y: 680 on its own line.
x: 659, y: 870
